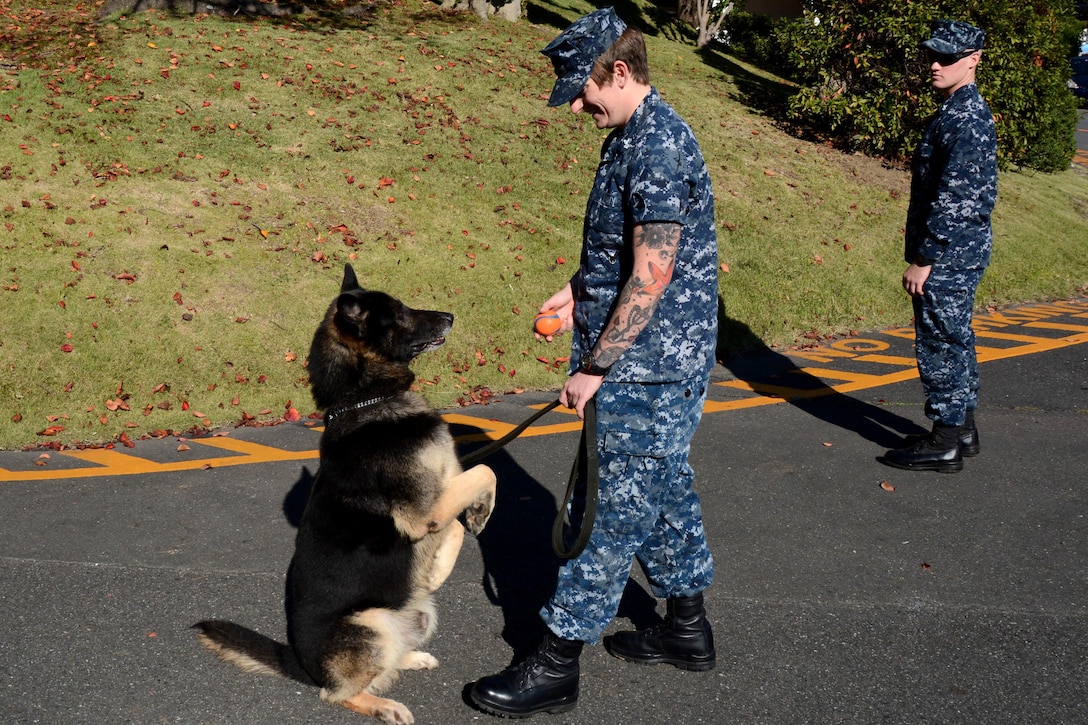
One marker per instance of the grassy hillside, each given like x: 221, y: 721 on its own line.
x: 181, y: 193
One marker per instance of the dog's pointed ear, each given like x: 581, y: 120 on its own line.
x: 350, y: 311
x: 351, y: 282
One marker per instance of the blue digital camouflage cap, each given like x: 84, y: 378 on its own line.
x: 951, y: 37
x: 576, y: 49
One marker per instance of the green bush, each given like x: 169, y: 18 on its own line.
x: 866, y: 81
x: 757, y: 39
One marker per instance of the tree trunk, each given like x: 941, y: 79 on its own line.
x: 688, y: 11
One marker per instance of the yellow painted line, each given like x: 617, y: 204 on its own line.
x: 907, y: 333
x: 1012, y: 337
x: 114, y: 460
x: 1057, y: 308
x: 989, y: 354
x: 738, y: 384
x: 1025, y: 318
x: 116, y: 463
x: 783, y: 392
x: 719, y: 406
x: 234, y: 452
x: 878, y: 381
x: 889, y: 360
x: 822, y: 355
x: 1009, y: 319
x: 253, y: 451
x: 105, y: 463
x: 841, y: 375
x: 57, y: 474
x: 495, y: 429
x: 1057, y: 326
x: 775, y: 394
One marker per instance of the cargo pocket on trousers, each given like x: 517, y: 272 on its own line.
x: 653, y: 426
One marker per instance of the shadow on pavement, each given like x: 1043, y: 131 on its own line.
x: 520, y: 568
x: 767, y: 370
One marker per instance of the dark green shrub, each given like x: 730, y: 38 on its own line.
x: 869, y: 88
x: 758, y: 40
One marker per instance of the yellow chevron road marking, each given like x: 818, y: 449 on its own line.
x: 858, y: 364
x: 244, y: 449
x: 112, y: 462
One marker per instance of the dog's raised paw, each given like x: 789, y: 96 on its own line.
x: 477, y: 515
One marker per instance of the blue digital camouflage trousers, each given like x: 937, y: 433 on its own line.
x: 647, y: 510
x: 945, y: 345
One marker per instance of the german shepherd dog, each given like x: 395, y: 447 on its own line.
x: 380, y: 531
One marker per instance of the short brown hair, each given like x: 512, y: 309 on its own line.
x: 630, y: 47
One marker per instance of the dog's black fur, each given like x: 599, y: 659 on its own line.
x: 379, y: 533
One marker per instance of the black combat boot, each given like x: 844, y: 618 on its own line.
x: 547, y: 681
x: 969, y: 441
x: 939, y: 451
x: 684, y: 639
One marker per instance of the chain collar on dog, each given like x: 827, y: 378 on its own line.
x: 336, y: 412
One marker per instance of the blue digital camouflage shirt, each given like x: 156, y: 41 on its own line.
x: 954, y: 187
x: 651, y: 170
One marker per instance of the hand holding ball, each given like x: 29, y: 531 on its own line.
x: 547, y: 323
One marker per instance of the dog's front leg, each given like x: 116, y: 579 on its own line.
x: 479, y: 511
x: 445, y: 556
x: 472, y: 491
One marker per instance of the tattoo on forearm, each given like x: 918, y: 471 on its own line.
x: 660, y: 279
x: 655, y: 258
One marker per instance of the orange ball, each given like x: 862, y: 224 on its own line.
x: 547, y: 322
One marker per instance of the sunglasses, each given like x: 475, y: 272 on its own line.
x: 946, y: 59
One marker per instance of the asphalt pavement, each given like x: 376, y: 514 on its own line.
x: 845, y: 591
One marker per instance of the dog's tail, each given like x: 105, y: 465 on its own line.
x: 250, y: 651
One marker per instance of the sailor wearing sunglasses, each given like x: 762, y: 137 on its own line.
x: 948, y: 243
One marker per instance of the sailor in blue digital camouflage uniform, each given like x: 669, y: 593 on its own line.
x: 643, y: 310
x: 948, y: 242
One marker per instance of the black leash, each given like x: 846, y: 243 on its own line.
x: 587, y: 449
x: 587, y: 454
x: 481, y: 453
